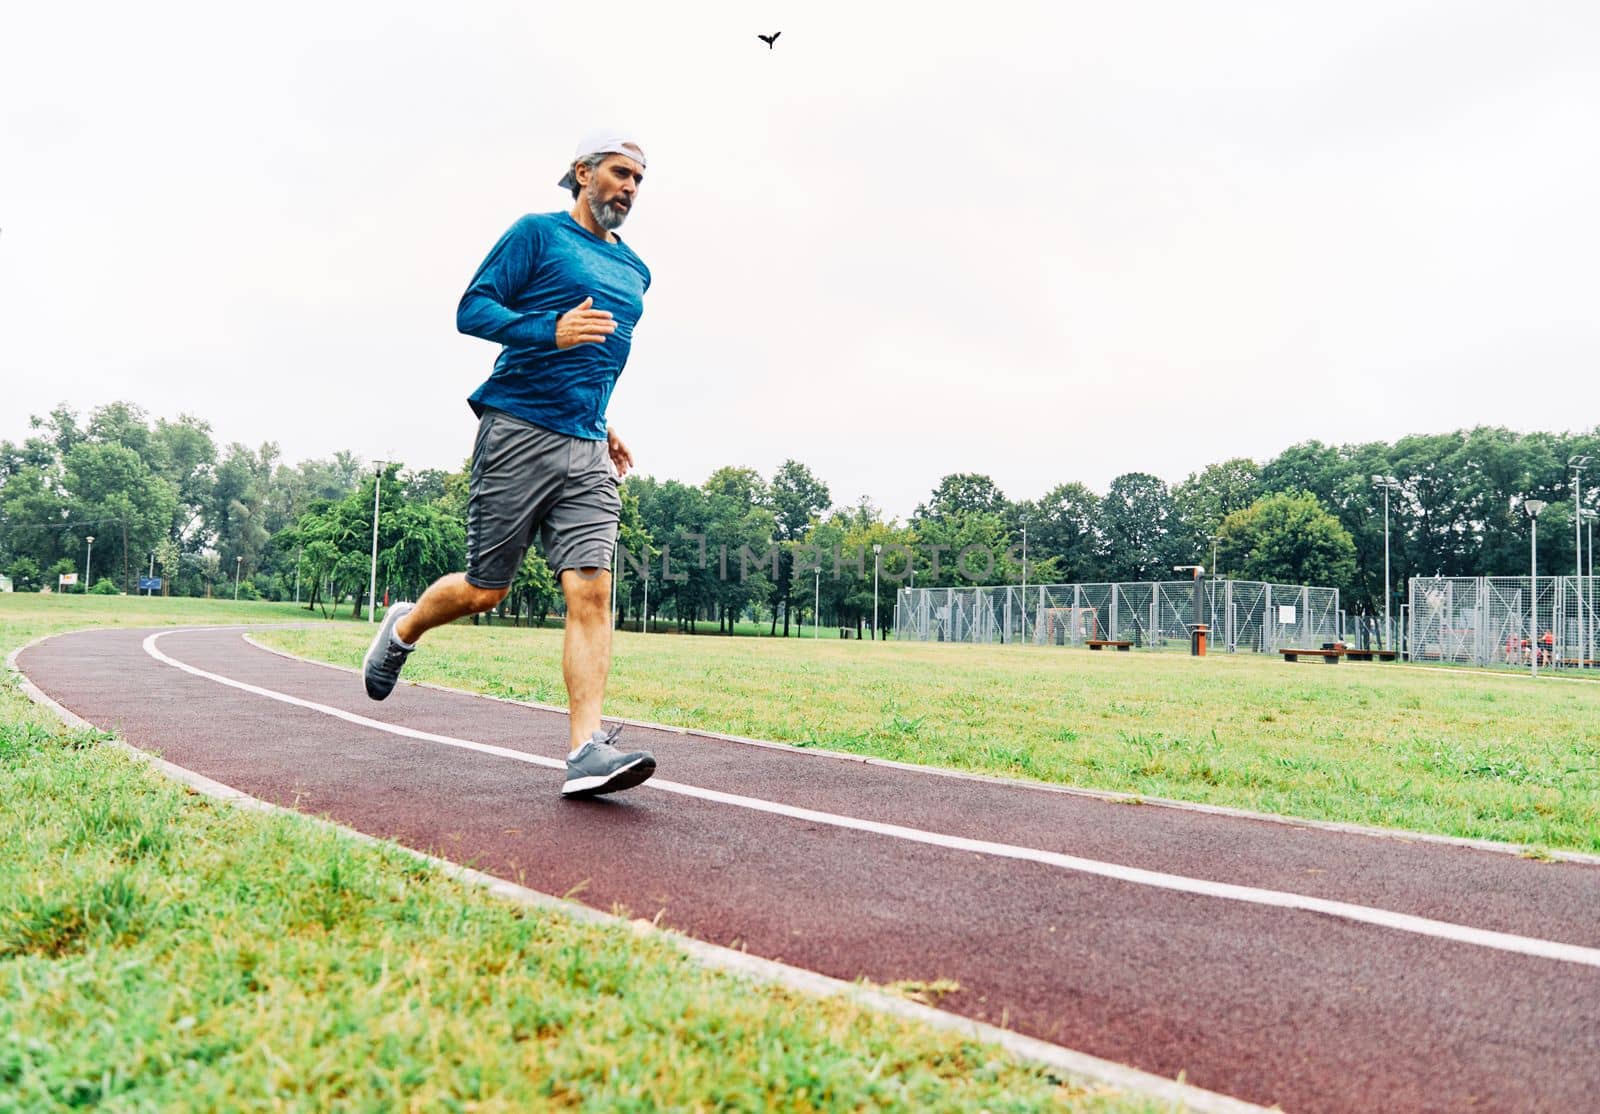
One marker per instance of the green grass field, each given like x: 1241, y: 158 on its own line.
x: 1493, y: 756
x: 162, y: 952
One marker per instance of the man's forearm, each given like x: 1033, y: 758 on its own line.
x: 479, y: 315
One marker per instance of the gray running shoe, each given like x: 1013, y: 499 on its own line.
x: 599, y: 767
x: 381, y: 667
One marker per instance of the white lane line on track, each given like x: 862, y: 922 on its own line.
x: 1383, y: 918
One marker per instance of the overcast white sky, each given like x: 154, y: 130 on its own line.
x: 1045, y: 241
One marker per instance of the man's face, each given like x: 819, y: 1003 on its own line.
x: 611, y: 189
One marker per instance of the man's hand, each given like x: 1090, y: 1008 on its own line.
x: 621, y: 458
x: 583, y: 325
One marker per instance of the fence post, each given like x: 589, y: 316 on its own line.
x: 1233, y: 636
x: 1269, y: 623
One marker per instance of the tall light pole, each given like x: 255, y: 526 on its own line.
x: 876, y: 549
x: 1534, y: 507
x: 88, y: 562
x: 372, y: 586
x: 1388, y: 483
x: 816, y: 604
x: 238, y: 565
x: 1214, y: 539
x: 1578, y: 463
x: 1024, y: 580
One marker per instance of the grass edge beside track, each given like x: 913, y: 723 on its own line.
x: 993, y: 1086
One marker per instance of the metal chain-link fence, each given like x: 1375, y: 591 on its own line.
x: 1497, y: 620
x: 1240, y: 614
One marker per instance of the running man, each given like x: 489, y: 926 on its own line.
x: 561, y: 293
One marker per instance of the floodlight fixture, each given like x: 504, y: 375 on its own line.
x: 1534, y: 507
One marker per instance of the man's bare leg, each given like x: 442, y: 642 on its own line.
x: 447, y: 599
x: 586, y: 648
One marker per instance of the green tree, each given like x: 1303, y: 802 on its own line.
x: 1288, y: 539
x: 183, y: 454
x: 122, y: 423
x: 25, y: 575
x: 971, y: 548
x: 1137, y: 515
x: 62, y: 567
x: 1064, y: 526
x: 236, y: 514
x: 961, y: 493
x: 1208, y: 496
x: 169, y: 561
x: 132, y: 507
x: 739, y: 520
x: 865, y: 528
x: 426, y: 485
x: 534, y: 589
x: 334, y: 540
x: 35, y: 518
x: 636, y: 551
x: 798, y: 498
x: 417, y: 544
x: 833, y: 567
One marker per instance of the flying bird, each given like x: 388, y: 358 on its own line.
x: 770, y: 39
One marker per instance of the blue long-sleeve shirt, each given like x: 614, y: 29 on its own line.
x: 545, y: 265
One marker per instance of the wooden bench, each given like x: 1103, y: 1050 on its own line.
x: 1329, y: 657
x: 1102, y: 643
x: 1372, y: 655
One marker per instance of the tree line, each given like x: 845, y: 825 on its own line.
x: 162, y: 496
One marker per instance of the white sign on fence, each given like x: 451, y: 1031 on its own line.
x: 1286, y: 614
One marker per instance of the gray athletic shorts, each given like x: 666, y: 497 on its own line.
x: 527, y: 478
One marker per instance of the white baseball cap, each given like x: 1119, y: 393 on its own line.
x: 602, y: 143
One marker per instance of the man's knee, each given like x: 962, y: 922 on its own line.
x: 586, y: 587
x: 484, y: 599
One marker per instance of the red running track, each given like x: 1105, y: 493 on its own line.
x: 1425, y: 975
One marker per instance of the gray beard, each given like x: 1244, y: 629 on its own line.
x: 606, y: 215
